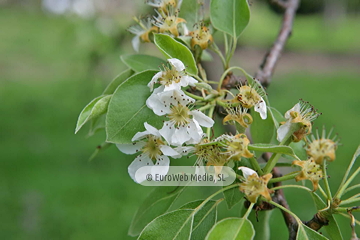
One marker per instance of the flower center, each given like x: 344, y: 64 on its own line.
x: 179, y: 115
x: 169, y: 76
x: 248, y: 96
x: 322, y: 148
x: 152, y: 147
x: 312, y: 171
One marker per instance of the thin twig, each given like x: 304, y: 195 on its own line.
x: 268, y: 65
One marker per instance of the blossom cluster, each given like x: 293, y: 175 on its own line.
x: 168, y: 22
x: 183, y: 125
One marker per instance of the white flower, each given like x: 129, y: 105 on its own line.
x: 172, y: 78
x: 184, y: 124
x: 141, y: 31
x: 298, y: 120
x: 153, y: 150
x: 252, y: 96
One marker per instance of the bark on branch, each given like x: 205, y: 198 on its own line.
x: 272, y: 56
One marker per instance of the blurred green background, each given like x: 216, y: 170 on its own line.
x: 52, y: 65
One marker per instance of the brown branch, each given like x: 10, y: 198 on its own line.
x: 279, y: 198
x: 272, y: 56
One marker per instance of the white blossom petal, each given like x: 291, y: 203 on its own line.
x: 167, y: 131
x: 194, y: 131
x: 154, y: 80
x: 151, y: 130
x: 135, y: 42
x: 169, y: 151
x: 161, y: 166
x: 179, y: 66
x: 180, y: 136
x: 140, y: 135
x: 202, y: 119
x: 155, y: 103
x: 140, y: 161
x: 247, y: 171
x: 283, y: 130
x: 130, y: 148
x: 184, y: 150
x: 296, y: 108
x: 189, y: 80
x: 260, y: 107
x: 176, y: 97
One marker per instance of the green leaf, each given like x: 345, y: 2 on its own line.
x: 142, y: 62
x: 127, y: 110
x: 170, y: 226
x: 187, y: 222
x: 332, y: 228
x: 110, y: 89
x: 262, y: 130
x: 204, y: 219
x: 231, y: 229
x: 190, y: 12
x: 94, y: 109
x: 262, y: 147
x: 230, y: 16
x: 299, y: 149
x: 96, y: 124
x: 173, y: 49
x: 261, y: 224
x: 157, y: 203
x: 232, y: 197
x: 306, y: 233
x: 277, y: 116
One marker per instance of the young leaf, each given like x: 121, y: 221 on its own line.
x: 127, y: 110
x: 142, y: 62
x: 96, y: 124
x: 262, y: 130
x: 306, y: 233
x: 184, y: 223
x: 262, y: 147
x: 190, y: 11
x: 204, y: 219
x: 110, y: 89
x: 231, y: 16
x: 94, y: 109
x: 231, y: 229
x: 157, y: 203
x: 176, y: 225
x: 232, y: 197
x: 173, y: 49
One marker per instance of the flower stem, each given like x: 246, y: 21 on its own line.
x: 346, y: 184
x: 194, y: 96
x: 292, y: 186
x: 210, y: 115
x: 246, y: 215
x: 215, y: 48
x: 285, y: 210
x: 342, y: 187
x: 285, y: 177
x: 256, y: 166
x: 216, y: 193
x: 326, y: 182
x: 275, y: 157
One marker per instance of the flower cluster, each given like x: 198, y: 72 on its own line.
x: 182, y: 127
x: 167, y: 21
